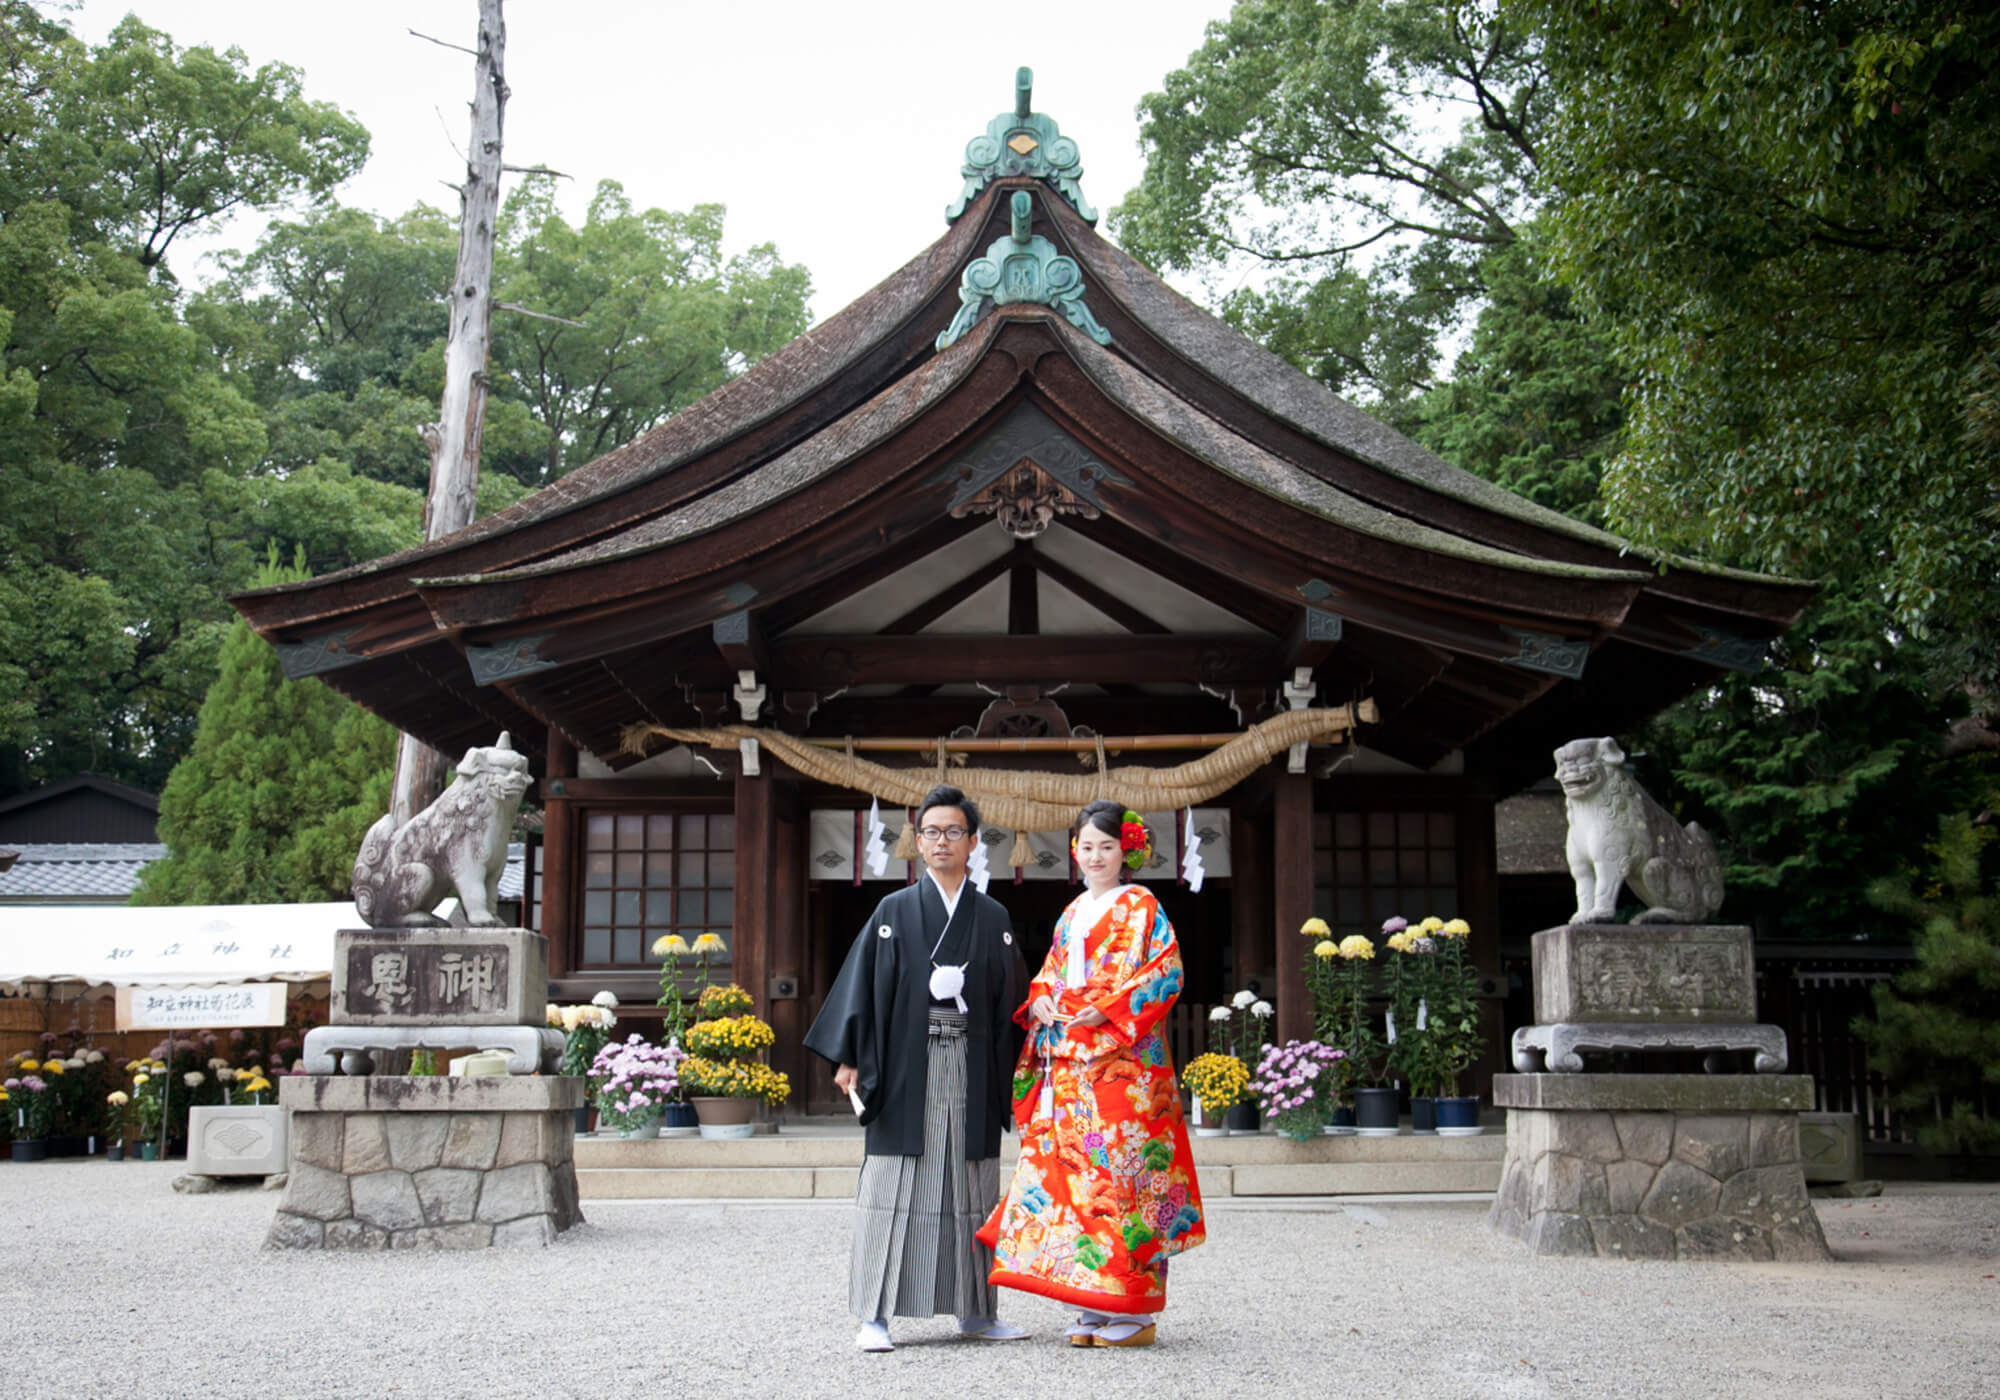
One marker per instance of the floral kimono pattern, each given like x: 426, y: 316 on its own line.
x: 1105, y: 1191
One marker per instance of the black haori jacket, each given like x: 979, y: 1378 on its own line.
x: 875, y: 1016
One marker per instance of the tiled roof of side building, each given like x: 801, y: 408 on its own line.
x: 111, y: 870
x: 78, y: 869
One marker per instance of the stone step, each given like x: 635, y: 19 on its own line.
x: 819, y: 1166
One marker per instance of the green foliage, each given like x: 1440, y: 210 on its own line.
x: 282, y: 782
x: 1934, y: 1036
x: 1534, y: 402
x: 1816, y: 775
x: 1324, y: 146
x: 1791, y: 216
x: 660, y: 317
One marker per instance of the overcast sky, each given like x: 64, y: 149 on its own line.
x: 833, y: 131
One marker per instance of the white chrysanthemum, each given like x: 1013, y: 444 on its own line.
x: 1242, y: 999
x: 193, y: 1078
x: 1221, y: 1013
x: 1262, y: 1010
x: 604, y: 999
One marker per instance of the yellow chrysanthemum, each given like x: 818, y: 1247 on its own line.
x: 710, y: 943
x: 1458, y: 928
x: 670, y: 946
x: 1432, y: 924
x: 139, y: 1080
x: 31, y: 1065
x: 1326, y: 948
x: 119, y: 1097
x: 1315, y: 928
x: 54, y: 1067
x: 1356, y: 945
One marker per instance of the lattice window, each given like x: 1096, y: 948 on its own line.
x: 1370, y: 865
x: 651, y: 873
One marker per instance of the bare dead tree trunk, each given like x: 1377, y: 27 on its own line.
x: 454, y: 439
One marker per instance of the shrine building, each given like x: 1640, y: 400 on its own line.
x: 1023, y: 515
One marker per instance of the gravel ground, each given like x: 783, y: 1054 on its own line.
x: 113, y: 1284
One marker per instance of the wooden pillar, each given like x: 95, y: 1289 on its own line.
x: 1291, y: 898
x: 558, y: 908
x: 756, y: 867
x: 786, y: 983
x: 1479, y: 905
x: 1249, y: 897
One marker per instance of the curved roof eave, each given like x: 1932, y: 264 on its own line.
x: 791, y: 471
x: 795, y: 371
x: 1278, y: 387
x: 1202, y: 437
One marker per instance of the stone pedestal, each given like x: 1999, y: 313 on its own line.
x: 393, y: 1162
x: 1685, y: 987
x: 1656, y: 1166
x: 235, y: 1140
x: 439, y: 976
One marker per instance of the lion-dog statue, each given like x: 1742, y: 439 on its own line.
x: 1620, y: 835
x: 458, y: 842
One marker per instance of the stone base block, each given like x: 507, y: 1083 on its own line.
x: 1560, y: 1046
x: 1659, y: 973
x: 1830, y: 1146
x: 1718, y: 1183
x: 245, y: 1141
x: 428, y: 1163
x: 350, y: 1049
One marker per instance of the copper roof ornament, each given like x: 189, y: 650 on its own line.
x: 1023, y: 142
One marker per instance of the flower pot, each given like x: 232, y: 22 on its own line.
x: 1375, y: 1113
x: 1342, y: 1124
x: 680, y: 1121
x: 115, y: 1152
x: 1457, y: 1117
x: 1209, y: 1122
x: 582, y: 1116
x: 1423, y: 1115
x: 644, y: 1125
x: 1243, y: 1118
x: 725, y: 1117
x: 31, y: 1150
x: 149, y: 1152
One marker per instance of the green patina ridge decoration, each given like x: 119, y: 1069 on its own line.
x: 1023, y: 142
x: 1022, y: 267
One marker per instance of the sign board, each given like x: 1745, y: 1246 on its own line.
x: 192, y: 1008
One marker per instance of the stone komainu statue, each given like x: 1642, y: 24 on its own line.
x: 459, y: 841
x: 1618, y: 834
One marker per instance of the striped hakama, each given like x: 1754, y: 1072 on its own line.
x: 914, y: 1255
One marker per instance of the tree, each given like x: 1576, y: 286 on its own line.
x: 1934, y: 1036
x: 1362, y: 159
x: 1790, y: 214
x: 1808, y: 773
x: 281, y: 783
x: 651, y: 315
x: 1535, y: 403
x: 117, y: 431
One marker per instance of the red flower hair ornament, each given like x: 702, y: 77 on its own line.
x: 1133, y: 839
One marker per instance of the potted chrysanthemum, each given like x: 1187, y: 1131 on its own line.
x: 585, y: 1030
x: 1238, y: 1029
x: 634, y: 1082
x: 1298, y: 1085
x: 724, y: 1075
x: 1218, y: 1083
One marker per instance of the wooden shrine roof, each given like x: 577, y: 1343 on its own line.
x: 1179, y: 456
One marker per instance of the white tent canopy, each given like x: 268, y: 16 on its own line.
x: 192, y: 945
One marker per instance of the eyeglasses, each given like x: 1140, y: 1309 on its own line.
x: 943, y: 833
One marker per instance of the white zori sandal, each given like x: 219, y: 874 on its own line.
x: 1084, y: 1333
x: 1137, y: 1330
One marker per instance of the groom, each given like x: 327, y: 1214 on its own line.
x: 920, y: 1026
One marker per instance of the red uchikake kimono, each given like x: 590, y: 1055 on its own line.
x: 1105, y: 1191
